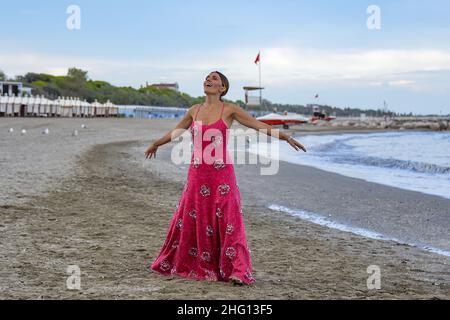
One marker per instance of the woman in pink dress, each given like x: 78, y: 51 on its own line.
x: 206, y: 239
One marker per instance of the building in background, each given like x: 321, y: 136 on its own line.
x: 11, y: 88
x: 151, y: 112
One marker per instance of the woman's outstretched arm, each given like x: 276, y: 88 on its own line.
x: 185, y: 123
x: 247, y: 120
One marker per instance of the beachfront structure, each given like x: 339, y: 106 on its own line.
x: 12, y: 88
x: 39, y: 106
x: 152, y: 112
x: 251, y: 100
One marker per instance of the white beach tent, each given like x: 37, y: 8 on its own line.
x: 44, y: 106
x: 75, y: 110
x: 3, y: 103
x: 91, y: 109
x: 73, y: 103
x: 10, y: 106
x: 86, y: 108
x: 62, y: 104
x: 77, y: 105
x: 37, y: 105
x: 25, y: 101
x: 58, y: 109
x: 99, y: 109
x: 52, y: 108
x: 67, y: 107
x: 30, y: 105
x: 17, y: 103
x: 107, y: 106
x: 47, y: 106
x: 112, y: 109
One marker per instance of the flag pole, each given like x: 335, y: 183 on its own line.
x: 260, y: 86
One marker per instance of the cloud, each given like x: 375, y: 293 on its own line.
x: 281, y: 67
x: 401, y: 83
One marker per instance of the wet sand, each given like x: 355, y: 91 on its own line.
x: 108, y: 211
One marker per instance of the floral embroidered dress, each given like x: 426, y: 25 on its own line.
x: 206, y: 237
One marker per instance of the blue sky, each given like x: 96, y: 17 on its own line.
x: 307, y: 47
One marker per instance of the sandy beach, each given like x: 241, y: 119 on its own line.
x: 91, y: 200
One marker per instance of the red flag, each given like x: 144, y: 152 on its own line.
x: 258, y: 58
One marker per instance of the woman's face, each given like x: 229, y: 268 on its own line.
x: 213, y: 84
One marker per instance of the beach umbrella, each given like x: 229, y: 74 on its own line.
x: 46, y: 131
x: 11, y: 130
x: 24, y: 131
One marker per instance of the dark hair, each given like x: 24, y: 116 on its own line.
x: 225, y: 83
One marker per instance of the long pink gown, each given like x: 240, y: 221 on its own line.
x: 206, y: 237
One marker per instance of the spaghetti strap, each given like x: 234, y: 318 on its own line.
x: 198, y: 109
x: 223, y: 107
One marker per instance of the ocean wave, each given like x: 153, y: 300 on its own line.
x: 326, y: 222
x: 420, y: 167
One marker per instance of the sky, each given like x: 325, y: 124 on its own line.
x: 307, y: 47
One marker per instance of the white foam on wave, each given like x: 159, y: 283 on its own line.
x: 324, y: 221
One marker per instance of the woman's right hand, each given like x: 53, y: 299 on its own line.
x: 151, y: 151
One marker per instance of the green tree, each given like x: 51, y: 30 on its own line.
x: 77, y: 74
x: 2, y: 76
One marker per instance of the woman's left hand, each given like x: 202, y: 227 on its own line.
x: 296, y: 145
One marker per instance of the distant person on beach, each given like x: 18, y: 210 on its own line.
x: 206, y: 239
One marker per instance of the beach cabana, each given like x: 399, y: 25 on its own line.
x: 47, y: 107
x: 76, y: 107
x: 66, y: 108
x: 112, y: 110
x: 58, y: 109
x: 91, y: 110
x: 37, y: 105
x: 3, y: 104
x: 43, y: 107
x: 86, y: 108
x: 10, y: 106
x: 99, y: 109
x: 17, y: 104
x: 24, y: 107
x: 30, y: 106
x: 52, y: 108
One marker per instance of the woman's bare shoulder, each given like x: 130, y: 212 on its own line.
x: 232, y: 106
x: 193, y: 109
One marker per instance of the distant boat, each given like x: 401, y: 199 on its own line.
x: 285, y: 119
